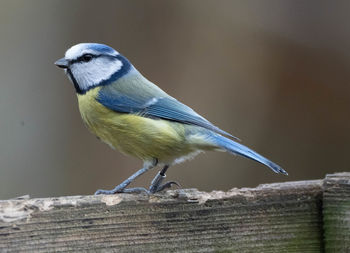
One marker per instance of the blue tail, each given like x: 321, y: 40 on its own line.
x: 239, y: 149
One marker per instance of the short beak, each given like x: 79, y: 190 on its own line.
x: 62, y: 63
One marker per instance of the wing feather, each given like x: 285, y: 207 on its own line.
x: 162, y: 107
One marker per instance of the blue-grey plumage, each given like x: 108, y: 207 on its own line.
x: 130, y: 113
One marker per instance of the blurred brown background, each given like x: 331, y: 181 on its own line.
x: 274, y: 73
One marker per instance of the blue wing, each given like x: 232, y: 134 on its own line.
x: 161, y: 107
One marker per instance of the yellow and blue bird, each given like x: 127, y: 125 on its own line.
x: 130, y: 113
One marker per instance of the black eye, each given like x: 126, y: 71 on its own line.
x: 87, y: 57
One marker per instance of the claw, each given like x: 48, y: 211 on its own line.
x: 167, y: 185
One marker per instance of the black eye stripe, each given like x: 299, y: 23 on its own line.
x: 81, y: 58
x: 93, y: 56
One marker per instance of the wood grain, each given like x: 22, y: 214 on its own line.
x: 336, y: 212
x: 281, y: 217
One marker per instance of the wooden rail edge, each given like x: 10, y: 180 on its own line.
x: 302, y: 216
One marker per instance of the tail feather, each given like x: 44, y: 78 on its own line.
x: 239, y: 149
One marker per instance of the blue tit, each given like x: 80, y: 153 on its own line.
x: 130, y: 113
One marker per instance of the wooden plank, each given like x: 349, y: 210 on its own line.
x: 336, y: 212
x: 282, y: 217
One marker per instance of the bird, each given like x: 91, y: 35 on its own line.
x: 130, y: 113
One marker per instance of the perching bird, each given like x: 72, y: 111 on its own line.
x: 130, y: 113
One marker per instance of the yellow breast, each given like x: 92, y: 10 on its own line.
x: 132, y: 134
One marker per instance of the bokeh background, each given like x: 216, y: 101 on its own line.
x: 273, y: 73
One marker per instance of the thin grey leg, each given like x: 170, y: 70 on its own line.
x: 156, y: 184
x: 158, y: 179
x: 121, y: 188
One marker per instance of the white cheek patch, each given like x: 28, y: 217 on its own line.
x: 89, y: 74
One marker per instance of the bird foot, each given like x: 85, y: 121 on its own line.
x: 125, y: 190
x: 152, y: 190
x: 157, y: 186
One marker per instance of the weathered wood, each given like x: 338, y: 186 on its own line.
x: 336, y: 212
x: 282, y: 217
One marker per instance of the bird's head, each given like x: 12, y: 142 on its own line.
x: 89, y: 65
